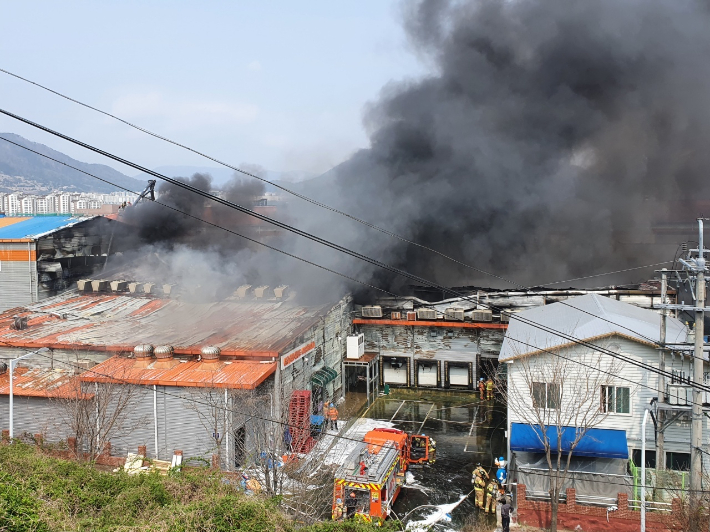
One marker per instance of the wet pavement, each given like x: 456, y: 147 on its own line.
x: 466, y: 431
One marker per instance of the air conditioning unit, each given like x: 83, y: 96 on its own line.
x: 482, y: 315
x: 426, y: 314
x: 374, y: 311
x: 396, y: 316
x: 411, y: 316
x: 355, y: 346
x: 454, y: 314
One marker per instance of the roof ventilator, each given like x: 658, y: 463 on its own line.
x: 259, y: 291
x: 280, y: 291
x: 210, y: 353
x: 19, y: 323
x: 164, y: 352
x: 243, y: 290
x: 143, y: 351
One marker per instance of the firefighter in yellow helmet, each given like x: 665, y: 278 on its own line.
x: 479, y: 484
x: 491, y: 495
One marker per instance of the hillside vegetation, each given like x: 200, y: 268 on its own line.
x: 44, y: 494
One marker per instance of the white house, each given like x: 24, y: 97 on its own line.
x: 551, y: 376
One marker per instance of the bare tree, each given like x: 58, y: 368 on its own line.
x: 212, y: 407
x: 96, y: 412
x: 552, y: 391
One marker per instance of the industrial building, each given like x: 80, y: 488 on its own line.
x: 40, y: 256
x: 259, y: 339
x: 450, y: 344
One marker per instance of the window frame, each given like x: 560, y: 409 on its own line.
x: 546, y: 402
x: 609, y: 403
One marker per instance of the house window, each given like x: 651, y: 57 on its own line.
x: 615, y: 400
x: 650, y: 458
x: 546, y: 395
x: 678, y: 461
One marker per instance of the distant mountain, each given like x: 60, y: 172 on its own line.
x: 24, y: 171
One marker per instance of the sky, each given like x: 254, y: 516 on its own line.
x: 280, y: 84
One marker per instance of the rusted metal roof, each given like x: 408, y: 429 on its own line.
x: 117, y: 323
x: 41, y: 382
x: 234, y: 374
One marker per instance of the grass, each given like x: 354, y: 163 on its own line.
x: 39, y: 493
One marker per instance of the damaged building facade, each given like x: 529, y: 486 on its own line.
x: 259, y: 342
x: 41, y: 256
x: 421, y: 342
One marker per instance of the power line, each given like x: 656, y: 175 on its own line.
x: 254, y: 176
x: 605, y: 274
x: 343, y: 249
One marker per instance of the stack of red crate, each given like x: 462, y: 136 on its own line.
x: 299, y: 421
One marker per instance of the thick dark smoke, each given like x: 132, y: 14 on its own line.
x: 551, y: 137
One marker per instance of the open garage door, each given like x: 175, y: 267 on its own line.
x: 428, y: 373
x: 459, y: 375
x: 395, y: 371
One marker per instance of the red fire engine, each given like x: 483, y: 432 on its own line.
x: 368, y: 483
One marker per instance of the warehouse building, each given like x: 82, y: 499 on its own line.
x: 451, y: 344
x: 301, y: 346
x: 40, y: 256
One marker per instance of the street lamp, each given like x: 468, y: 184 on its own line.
x: 12, y: 370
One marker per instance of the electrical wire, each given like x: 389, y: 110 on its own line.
x: 263, y: 180
x: 343, y: 249
x: 218, y: 407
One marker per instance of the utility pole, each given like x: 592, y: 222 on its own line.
x: 696, y: 428
x: 660, y: 437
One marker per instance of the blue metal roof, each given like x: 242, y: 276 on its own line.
x: 596, y: 443
x: 35, y: 226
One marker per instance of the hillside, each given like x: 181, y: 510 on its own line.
x: 21, y: 170
x: 43, y: 494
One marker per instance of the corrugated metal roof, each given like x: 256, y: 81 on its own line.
x: 120, y: 322
x: 236, y: 374
x: 39, y: 382
x: 585, y: 317
x: 13, y: 228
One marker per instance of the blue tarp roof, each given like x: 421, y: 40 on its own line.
x: 36, y: 225
x: 596, y: 443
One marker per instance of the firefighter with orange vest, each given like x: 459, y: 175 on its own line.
x: 333, y: 416
x: 482, y: 388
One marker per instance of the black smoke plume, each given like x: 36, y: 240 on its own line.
x: 550, y: 140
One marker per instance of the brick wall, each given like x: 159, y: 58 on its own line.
x: 592, y: 518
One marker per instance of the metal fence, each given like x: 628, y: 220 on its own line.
x: 651, y: 506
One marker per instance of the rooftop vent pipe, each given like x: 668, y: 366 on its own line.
x: 143, y: 351
x: 260, y: 290
x: 210, y: 352
x: 163, y: 352
x: 243, y: 290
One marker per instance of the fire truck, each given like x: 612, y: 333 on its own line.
x: 367, y: 484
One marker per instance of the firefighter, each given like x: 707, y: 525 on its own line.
x: 491, y: 496
x: 489, y: 388
x: 333, y: 416
x: 351, y: 505
x: 479, y: 472
x: 432, y: 450
x: 478, y: 487
x: 339, y: 510
x: 481, y: 387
